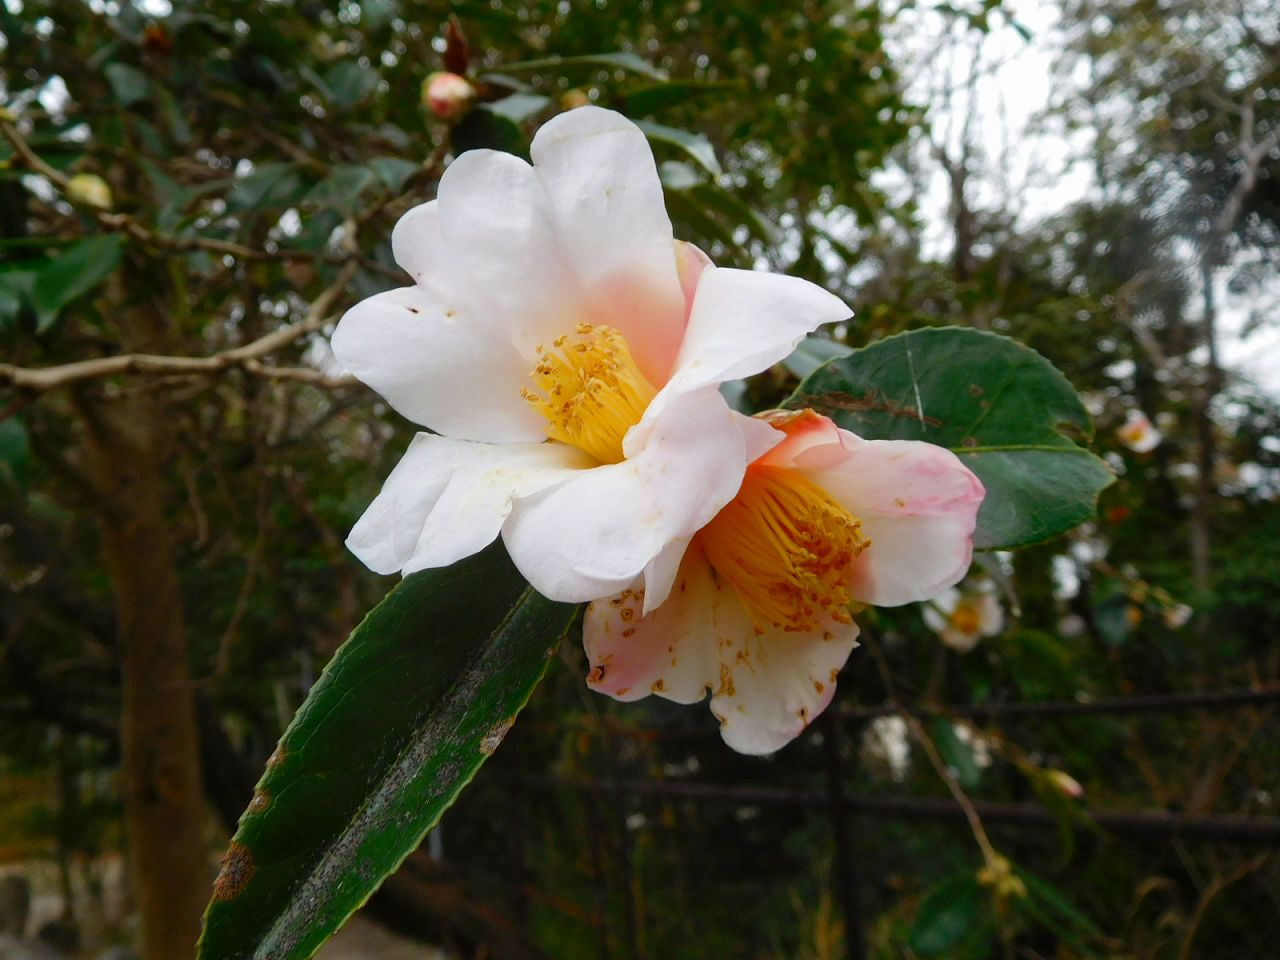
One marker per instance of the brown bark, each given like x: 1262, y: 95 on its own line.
x: 125, y: 443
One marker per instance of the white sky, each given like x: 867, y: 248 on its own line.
x: 1025, y: 160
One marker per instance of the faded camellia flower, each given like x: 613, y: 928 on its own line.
x: 760, y: 610
x: 447, y: 95
x: 1138, y: 433
x: 568, y: 352
x: 961, y: 617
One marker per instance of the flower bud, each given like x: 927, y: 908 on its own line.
x: 447, y: 95
x: 1065, y: 784
x: 89, y: 190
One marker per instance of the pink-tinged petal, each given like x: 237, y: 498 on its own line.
x: 690, y: 262
x: 918, y: 505
x: 773, y: 684
x: 503, y: 255
x: 603, y: 527
x: 670, y: 652
x: 416, y: 241
x: 611, y: 215
x: 810, y: 439
x: 439, y: 365
x: 744, y: 321
x: 447, y: 499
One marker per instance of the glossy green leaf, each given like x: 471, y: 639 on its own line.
x: 695, y: 145
x: 129, y: 84
x: 269, y: 184
x: 630, y: 62
x: 519, y: 107
x: 393, y: 172
x: 16, y: 280
x: 74, y: 272
x: 811, y: 353
x: 15, y: 453
x: 947, y: 917
x: 955, y: 753
x: 403, y: 716
x: 343, y: 189
x: 660, y: 96
x: 348, y: 83
x: 1003, y: 408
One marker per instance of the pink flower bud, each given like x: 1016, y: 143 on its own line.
x: 1066, y: 784
x: 447, y: 95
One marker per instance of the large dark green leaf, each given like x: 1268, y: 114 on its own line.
x: 74, y: 272
x: 410, y: 707
x: 1004, y: 409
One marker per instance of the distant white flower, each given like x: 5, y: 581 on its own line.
x: 567, y: 352
x: 961, y: 617
x: 1177, y: 616
x: 1137, y: 433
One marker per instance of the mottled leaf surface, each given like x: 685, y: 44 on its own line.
x: 406, y: 712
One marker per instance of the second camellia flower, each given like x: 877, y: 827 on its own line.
x: 760, y: 611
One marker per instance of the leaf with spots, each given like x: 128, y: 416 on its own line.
x: 411, y: 705
x: 1004, y: 409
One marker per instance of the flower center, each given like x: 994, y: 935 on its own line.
x: 785, y: 546
x: 965, y: 618
x: 590, y: 391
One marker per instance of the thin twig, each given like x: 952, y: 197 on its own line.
x: 916, y: 729
x: 246, y: 357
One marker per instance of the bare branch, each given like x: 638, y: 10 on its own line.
x: 247, y: 357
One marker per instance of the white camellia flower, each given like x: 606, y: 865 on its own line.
x: 1138, y: 434
x: 961, y: 617
x: 567, y: 352
x: 760, y: 614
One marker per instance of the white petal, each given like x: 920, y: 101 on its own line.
x: 502, y: 254
x: 773, y: 685
x: 440, y: 365
x: 602, y: 528
x: 447, y: 499
x: 670, y: 652
x: 660, y: 572
x: 744, y: 321
x: 416, y: 241
x: 918, y: 505
x: 608, y: 205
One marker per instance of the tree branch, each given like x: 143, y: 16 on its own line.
x: 246, y: 357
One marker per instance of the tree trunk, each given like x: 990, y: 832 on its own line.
x: 125, y: 441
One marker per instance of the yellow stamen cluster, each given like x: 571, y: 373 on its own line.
x: 966, y: 618
x: 786, y: 547
x: 590, y: 391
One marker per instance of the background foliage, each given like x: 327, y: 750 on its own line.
x: 256, y: 156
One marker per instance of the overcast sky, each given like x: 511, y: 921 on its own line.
x: 1026, y: 158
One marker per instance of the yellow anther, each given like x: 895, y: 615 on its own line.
x: 786, y: 548
x: 591, y: 391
